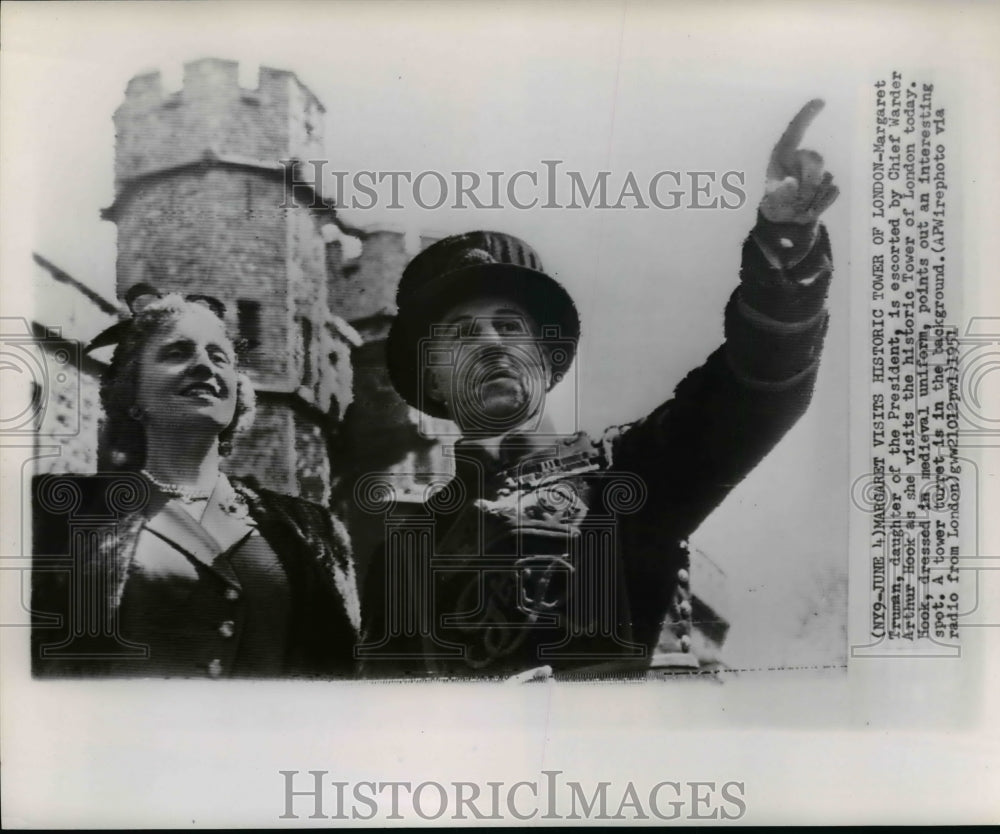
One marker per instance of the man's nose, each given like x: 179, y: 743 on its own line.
x: 486, y: 331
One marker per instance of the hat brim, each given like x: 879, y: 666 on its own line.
x: 540, y: 295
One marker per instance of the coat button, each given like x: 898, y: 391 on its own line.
x: 685, y: 642
x: 685, y: 609
x: 215, y: 668
x: 227, y: 628
x: 232, y: 594
x: 683, y: 575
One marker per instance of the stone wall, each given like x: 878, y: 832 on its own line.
x: 214, y: 231
x: 366, y: 286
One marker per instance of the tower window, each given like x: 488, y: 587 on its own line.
x: 248, y: 320
x: 307, y: 369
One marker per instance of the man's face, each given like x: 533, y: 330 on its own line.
x: 187, y: 374
x: 496, y: 377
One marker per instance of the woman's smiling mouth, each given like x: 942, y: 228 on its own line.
x: 201, y: 390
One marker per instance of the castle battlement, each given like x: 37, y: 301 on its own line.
x: 212, y: 114
x: 211, y: 75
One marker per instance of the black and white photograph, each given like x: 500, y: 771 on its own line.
x: 417, y: 413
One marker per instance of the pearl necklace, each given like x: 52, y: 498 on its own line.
x: 185, y: 494
x: 230, y: 501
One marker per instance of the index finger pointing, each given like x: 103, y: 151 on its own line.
x: 796, y: 129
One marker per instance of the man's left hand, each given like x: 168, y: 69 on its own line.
x: 798, y: 189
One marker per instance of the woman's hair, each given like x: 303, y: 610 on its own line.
x: 123, y: 439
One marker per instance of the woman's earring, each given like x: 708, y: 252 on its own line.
x: 136, y: 413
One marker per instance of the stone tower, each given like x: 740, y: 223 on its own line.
x: 381, y: 434
x: 201, y: 206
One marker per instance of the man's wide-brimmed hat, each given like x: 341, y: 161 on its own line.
x: 474, y: 265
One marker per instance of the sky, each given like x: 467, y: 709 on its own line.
x: 500, y: 87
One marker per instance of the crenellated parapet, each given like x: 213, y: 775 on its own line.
x: 212, y: 116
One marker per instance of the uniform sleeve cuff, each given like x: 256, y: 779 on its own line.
x: 784, y: 245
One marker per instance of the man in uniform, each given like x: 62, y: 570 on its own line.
x: 569, y: 553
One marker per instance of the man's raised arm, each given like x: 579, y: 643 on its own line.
x: 726, y: 415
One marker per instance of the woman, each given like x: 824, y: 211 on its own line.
x: 196, y: 575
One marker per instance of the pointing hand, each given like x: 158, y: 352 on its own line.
x: 797, y: 189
